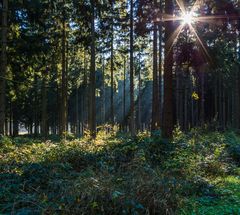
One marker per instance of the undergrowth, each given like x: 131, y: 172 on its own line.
x: 195, y: 173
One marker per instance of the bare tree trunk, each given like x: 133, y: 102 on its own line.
x: 160, y: 66
x: 11, y: 119
x: 66, y: 86
x: 216, y: 99
x: 168, y: 76
x: 181, y: 100
x: 77, y: 129
x: 44, y: 130
x: 202, y: 113
x: 112, y: 82
x: 103, y: 92
x: 64, y: 80
x: 224, y: 108
x: 6, y: 126
x: 124, y: 93
x: 186, y: 100
x: 85, y: 99
x: 132, y: 114
x: 15, y: 119
x: 237, y: 101
x: 139, y: 98
x: 155, y: 90
x: 92, y: 108
x: 3, y: 65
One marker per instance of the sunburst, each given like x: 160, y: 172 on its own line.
x: 189, y: 18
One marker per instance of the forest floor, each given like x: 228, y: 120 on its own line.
x: 195, y: 173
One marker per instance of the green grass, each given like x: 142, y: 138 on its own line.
x: 195, y: 173
x: 225, y: 201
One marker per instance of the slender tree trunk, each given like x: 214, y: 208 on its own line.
x: 92, y: 75
x: 3, y: 64
x: 215, y: 99
x: 132, y: 114
x: 181, y: 99
x: 224, y: 108
x: 77, y: 113
x: 139, y: 97
x: 186, y: 100
x: 237, y: 101
x: 11, y: 120
x: 202, y: 113
x: 66, y: 85
x: 124, y: 93
x: 160, y: 66
x: 112, y: 82
x: 85, y: 100
x: 35, y: 106
x: 192, y: 100
x: 44, y: 130
x: 6, y: 126
x: 64, y: 80
x: 15, y: 119
x: 168, y: 76
x: 155, y: 89
x: 103, y: 91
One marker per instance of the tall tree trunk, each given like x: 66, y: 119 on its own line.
x: 103, y: 91
x: 15, y: 119
x: 77, y: 130
x: 186, y: 100
x: 112, y: 83
x: 3, y: 65
x: 85, y: 97
x: 139, y: 97
x: 66, y: 85
x: 237, y: 101
x: 112, y: 88
x: 155, y: 89
x: 160, y: 64
x: 124, y: 93
x: 132, y: 114
x: 11, y: 119
x: 92, y: 123
x: 44, y: 129
x: 168, y: 76
x: 64, y: 80
x: 202, y: 113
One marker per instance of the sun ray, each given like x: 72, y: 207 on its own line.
x: 173, y: 38
x: 181, y: 6
x: 216, y: 17
x: 168, y: 17
x: 201, y: 43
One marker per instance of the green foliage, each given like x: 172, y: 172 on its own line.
x: 195, y: 173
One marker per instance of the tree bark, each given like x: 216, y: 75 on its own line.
x: 155, y: 90
x: 132, y: 114
x: 160, y: 66
x: 92, y: 117
x: 168, y: 76
x: 44, y: 129
x: 112, y: 89
x: 112, y: 83
x: 64, y: 80
x: 3, y: 68
x: 124, y: 93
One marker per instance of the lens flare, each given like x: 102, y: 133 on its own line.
x: 187, y: 18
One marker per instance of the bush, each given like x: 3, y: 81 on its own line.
x: 117, y: 174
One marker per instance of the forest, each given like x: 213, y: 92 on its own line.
x: 120, y: 107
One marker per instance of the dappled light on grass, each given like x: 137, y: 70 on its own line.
x: 118, y: 174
